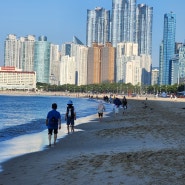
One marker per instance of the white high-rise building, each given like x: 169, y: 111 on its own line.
x: 19, y: 52
x: 11, y: 51
x: 54, y: 64
x: 79, y: 53
x: 144, y: 29
x: 123, y: 25
x: 67, y: 70
x: 133, y: 71
x: 126, y: 51
x: 98, y: 26
x: 27, y: 52
x: 131, y: 67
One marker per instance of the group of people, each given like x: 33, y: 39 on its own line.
x: 53, y: 120
x: 116, y: 105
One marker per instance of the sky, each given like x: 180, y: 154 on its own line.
x: 60, y: 20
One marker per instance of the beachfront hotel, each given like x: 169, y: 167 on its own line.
x: 14, y: 79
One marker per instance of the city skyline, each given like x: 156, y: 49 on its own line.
x: 59, y: 21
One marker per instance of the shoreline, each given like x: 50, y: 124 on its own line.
x: 145, y: 145
x: 36, y: 142
x: 86, y: 95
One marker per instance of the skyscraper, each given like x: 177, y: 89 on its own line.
x: 131, y: 21
x: 144, y: 29
x: 123, y: 23
x: 42, y: 59
x: 27, y: 56
x: 118, y: 21
x: 98, y: 26
x: 100, y: 63
x: 11, y: 51
x: 167, y: 49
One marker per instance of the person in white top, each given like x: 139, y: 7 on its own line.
x: 101, y: 109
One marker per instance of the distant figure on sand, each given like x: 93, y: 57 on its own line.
x: 70, y: 116
x: 101, y: 109
x: 117, y: 101
x: 53, y: 122
x: 124, y: 103
x: 116, y: 109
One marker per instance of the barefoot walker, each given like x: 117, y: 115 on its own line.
x: 70, y: 116
x: 53, y: 122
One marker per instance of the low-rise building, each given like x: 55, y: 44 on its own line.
x: 13, y: 78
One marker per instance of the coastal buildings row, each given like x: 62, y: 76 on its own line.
x: 118, y: 49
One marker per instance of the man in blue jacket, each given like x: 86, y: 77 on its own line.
x: 53, y: 122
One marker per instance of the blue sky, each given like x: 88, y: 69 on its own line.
x: 60, y: 20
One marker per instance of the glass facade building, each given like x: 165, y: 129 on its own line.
x: 144, y: 29
x: 42, y: 59
x: 168, y: 49
x: 98, y: 26
x: 123, y: 22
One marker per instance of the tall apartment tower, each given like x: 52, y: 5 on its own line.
x: 144, y: 29
x: 100, y: 63
x: 131, y: 21
x: 123, y: 23
x: 167, y: 49
x: 98, y: 26
x: 107, y: 63
x: 93, y: 64
x: 54, y: 64
x: 27, y: 54
x: 19, y: 52
x: 74, y: 55
x: 42, y: 59
x: 11, y: 51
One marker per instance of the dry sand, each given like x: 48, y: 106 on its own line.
x: 143, y: 146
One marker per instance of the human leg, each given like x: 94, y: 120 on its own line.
x: 101, y: 116
x: 72, y: 125
x: 55, y: 135
x: 68, y: 123
x: 49, y: 135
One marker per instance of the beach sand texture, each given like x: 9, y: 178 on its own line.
x: 143, y: 146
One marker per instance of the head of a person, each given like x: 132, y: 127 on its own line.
x: 54, y: 106
x: 69, y: 103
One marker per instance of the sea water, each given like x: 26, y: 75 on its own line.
x: 22, y: 121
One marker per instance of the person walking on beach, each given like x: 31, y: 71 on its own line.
x: 70, y: 116
x: 124, y: 103
x: 53, y: 122
x: 116, y: 109
x: 101, y: 109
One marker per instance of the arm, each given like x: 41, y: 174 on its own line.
x: 74, y: 114
x: 46, y: 121
x: 59, y: 123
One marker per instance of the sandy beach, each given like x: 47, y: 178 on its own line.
x: 143, y: 146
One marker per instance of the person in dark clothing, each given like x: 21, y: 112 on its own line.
x: 124, y: 103
x: 53, y: 122
x: 117, y: 102
x: 70, y: 116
